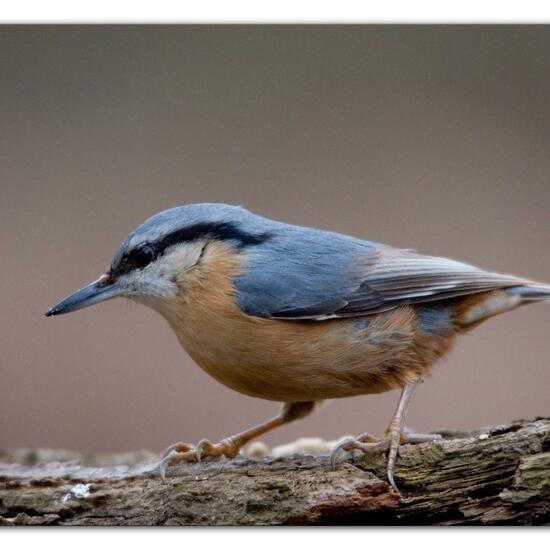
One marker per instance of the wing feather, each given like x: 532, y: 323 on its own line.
x: 392, y: 277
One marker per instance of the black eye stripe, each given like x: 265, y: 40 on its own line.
x: 144, y: 253
x: 220, y: 231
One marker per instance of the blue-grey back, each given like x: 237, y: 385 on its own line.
x: 300, y: 268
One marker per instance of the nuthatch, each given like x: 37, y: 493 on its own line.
x: 299, y: 315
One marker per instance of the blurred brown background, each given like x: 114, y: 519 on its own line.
x: 435, y: 138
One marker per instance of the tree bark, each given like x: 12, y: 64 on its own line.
x: 498, y: 475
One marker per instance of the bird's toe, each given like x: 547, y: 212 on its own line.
x: 366, y: 443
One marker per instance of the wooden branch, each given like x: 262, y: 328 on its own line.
x: 499, y: 475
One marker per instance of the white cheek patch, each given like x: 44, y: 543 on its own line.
x: 492, y: 305
x: 180, y: 257
x: 158, y: 279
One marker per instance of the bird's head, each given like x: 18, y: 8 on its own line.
x: 152, y: 261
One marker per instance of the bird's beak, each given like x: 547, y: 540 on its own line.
x: 98, y: 291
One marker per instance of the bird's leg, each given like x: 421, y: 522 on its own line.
x: 230, y: 446
x: 395, y: 431
x: 394, y: 436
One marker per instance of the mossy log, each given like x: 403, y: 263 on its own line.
x: 498, y: 475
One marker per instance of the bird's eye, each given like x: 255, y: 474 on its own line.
x: 143, y: 255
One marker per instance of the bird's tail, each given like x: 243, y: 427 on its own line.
x: 531, y: 292
x: 478, y: 307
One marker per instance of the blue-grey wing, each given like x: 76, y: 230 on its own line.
x: 329, y: 276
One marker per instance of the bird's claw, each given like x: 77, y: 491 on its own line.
x: 179, y: 447
x: 391, y: 441
x: 366, y: 443
x: 185, y: 452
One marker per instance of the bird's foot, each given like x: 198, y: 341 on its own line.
x: 186, y: 452
x: 366, y: 443
x: 391, y: 441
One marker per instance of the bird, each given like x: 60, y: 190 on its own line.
x: 299, y: 315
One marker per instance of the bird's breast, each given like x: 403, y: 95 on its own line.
x: 294, y: 360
